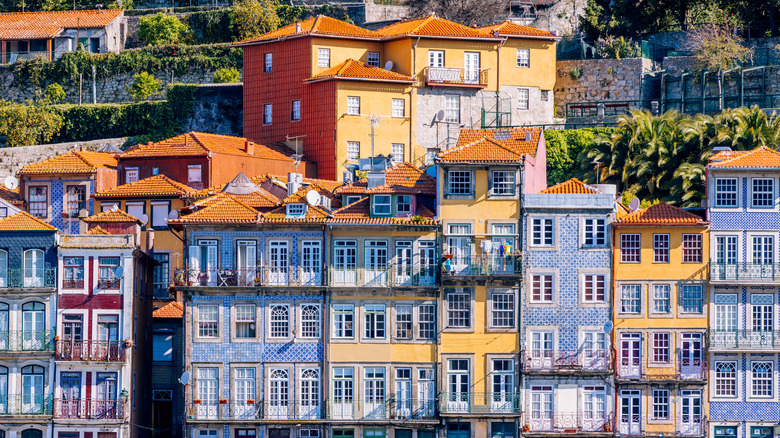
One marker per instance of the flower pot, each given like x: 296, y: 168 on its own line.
x: 250, y: 402
x: 223, y: 401
x: 196, y: 402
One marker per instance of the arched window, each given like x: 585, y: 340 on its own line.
x: 33, y: 323
x: 32, y: 433
x: 32, y: 389
x: 33, y: 268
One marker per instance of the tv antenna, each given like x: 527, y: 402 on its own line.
x: 373, y: 120
x: 297, y: 156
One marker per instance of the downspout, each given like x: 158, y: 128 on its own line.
x: 614, y: 328
x: 327, y: 294
x: 521, y: 190
x: 412, y: 101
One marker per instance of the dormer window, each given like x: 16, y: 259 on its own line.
x: 296, y: 211
x: 403, y: 204
x: 352, y: 200
x: 381, y: 205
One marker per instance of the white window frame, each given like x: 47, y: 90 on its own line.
x: 692, y: 242
x: 659, y: 289
x: 190, y: 175
x: 132, y: 175
x: 310, y: 327
x: 353, y: 105
x: 295, y: 110
x: 754, y: 381
x: 594, y: 232
x: 295, y: 210
x: 372, y: 59
x: 718, y: 188
x: 631, y: 288
x: 268, y: 62
x: 377, y: 207
x: 202, y: 320
x: 769, y: 183
x: 591, y: 280
x: 636, y: 253
x: 543, y: 278
x: 340, y: 313
x: 398, y: 149
x: 374, y: 322
x: 688, y: 288
x: 353, y: 150
x: 323, y: 58
x: 452, y: 108
x: 268, y: 111
x: 436, y: 58
x: 503, y: 305
x: 273, y: 332
x: 660, y: 247
x: 523, y: 58
x: 661, y: 398
x: 731, y: 381
x: 464, y: 308
x: 542, y: 232
x: 523, y: 99
x: 398, y: 108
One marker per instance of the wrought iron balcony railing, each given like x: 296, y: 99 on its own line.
x: 685, y: 368
x: 161, y: 284
x: 89, y: 409
x: 18, y: 278
x: 25, y: 404
x: 456, y: 76
x: 480, y: 403
x: 382, y: 409
x: 743, y: 271
x: 488, y: 265
x: 580, y: 422
x: 250, y: 409
x: 95, y: 351
x: 384, y: 275
x: 743, y: 339
x: 27, y: 340
x: 683, y: 426
x: 249, y: 277
x: 567, y: 361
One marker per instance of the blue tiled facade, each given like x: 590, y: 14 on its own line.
x: 57, y: 198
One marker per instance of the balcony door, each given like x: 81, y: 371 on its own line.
x: 630, y: 412
x: 630, y: 355
x: 541, y: 408
x: 207, y: 385
x: 279, y: 394
x: 690, y: 356
x: 71, y: 345
x: 594, y: 408
x: 503, y: 392
x: 459, y: 247
x: 278, y: 262
x: 345, y: 263
x: 203, y: 263
x: 458, y: 384
x: 310, y: 394
x: 106, y: 405
x: 471, y: 71
x: 311, y: 263
x: 376, y: 262
x: 108, y: 338
x: 33, y: 321
x: 403, y: 263
x: 246, y: 262
x: 428, y: 262
x: 542, y: 350
x: 70, y: 385
x: 343, y: 386
x: 244, y: 403
x: 426, y: 394
x: 690, y: 423
x: 32, y: 390
x: 33, y: 268
x: 403, y: 393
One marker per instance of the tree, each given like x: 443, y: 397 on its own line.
x: 143, y: 86
x: 716, y: 47
x: 251, y: 18
x: 227, y: 76
x: 466, y: 12
x: 34, y: 122
x: 161, y: 29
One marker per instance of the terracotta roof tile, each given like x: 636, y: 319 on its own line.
x: 320, y: 26
x: 170, y: 310
x: 572, y: 186
x: 761, y: 157
x: 47, y: 24
x: 211, y: 191
x: 24, y: 221
x: 199, y: 144
x: 355, y: 70
x: 313, y: 215
x: 492, y: 145
x: 432, y: 26
x: 661, y: 214
x: 97, y: 230
x: 158, y: 185
x: 510, y: 29
x: 11, y: 196
x: 358, y: 213
x: 113, y: 216
x: 72, y: 162
x: 401, y: 178
x: 254, y: 200
x: 227, y: 210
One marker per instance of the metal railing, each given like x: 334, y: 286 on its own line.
x: 592, y: 422
x: 16, y: 278
x: 26, y: 340
x: 161, y: 284
x: 743, y: 271
x: 743, y: 339
x: 601, y: 108
x: 382, y: 409
x: 684, y: 369
x: 249, y: 277
x: 455, y: 76
x: 250, y: 409
x: 684, y: 425
x: 578, y: 360
x: 25, y: 404
x: 480, y: 403
x: 11, y: 57
x: 99, y: 351
x: 482, y: 265
x: 385, y: 275
x: 90, y: 409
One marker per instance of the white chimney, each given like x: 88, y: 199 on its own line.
x: 297, y: 27
x: 527, y: 135
x: 294, y: 181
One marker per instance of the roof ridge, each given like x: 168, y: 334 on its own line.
x: 198, y: 141
x: 29, y: 216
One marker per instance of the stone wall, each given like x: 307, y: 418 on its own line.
x: 562, y: 17
x: 13, y: 159
x: 218, y: 109
x: 374, y: 12
x: 602, y: 79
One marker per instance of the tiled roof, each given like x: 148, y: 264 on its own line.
x: 431, y: 26
x: 47, y: 24
x: 761, y: 157
x: 492, y: 146
x: 572, y: 186
x: 313, y: 215
x: 319, y: 26
x: 158, y: 185
x: 170, y: 310
x: 11, y: 196
x: 227, y: 210
x: 510, y: 29
x: 661, y: 214
x: 24, y: 221
x: 260, y: 179
x: 113, y: 216
x: 359, y: 213
x: 356, y: 70
x: 254, y: 200
x: 300, y: 195
x: 72, y: 162
x: 97, y: 230
x: 200, y: 144
x: 401, y: 178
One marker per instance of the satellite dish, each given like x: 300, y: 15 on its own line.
x: 608, y: 326
x: 119, y: 271
x: 174, y: 214
x: 389, y: 65
x: 440, y: 115
x: 634, y: 204
x: 185, y: 378
x: 11, y: 182
x: 312, y: 197
x: 144, y: 218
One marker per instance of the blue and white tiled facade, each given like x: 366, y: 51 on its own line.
x: 56, y: 190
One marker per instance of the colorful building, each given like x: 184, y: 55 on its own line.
x: 167, y: 402
x: 660, y: 321
x: 744, y: 341
x: 566, y: 363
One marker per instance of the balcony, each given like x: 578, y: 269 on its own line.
x: 161, y: 284
x: 16, y: 279
x: 17, y: 404
x: 456, y: 77
x: 479, y: 403
x: 685, y: 369
x: 282, y: 276
x: 745, y: 273
x: 253, y: 410
x: 90, y: 351
x: 12, y: 57
x: 744, y: 339
x: 684, y: 426
x: 579, y: 361
x: 406, y: 409
x: 487, y: 265
x: 89, y: 409
x: 582, y: 422
x: 386, y: 275
x: 26, y: 341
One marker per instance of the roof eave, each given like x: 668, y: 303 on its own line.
x: 439, y: 37
x: 340, y: 78
x: 303, y: 35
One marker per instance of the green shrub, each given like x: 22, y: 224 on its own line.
x: 227, y: 76
x: 28, y: 124
x: 143, y: 86
x: 55, y: 93
x: 251, y: 18
x: 564, y: 147
x: 162, y: 29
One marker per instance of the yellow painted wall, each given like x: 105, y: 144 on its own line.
x: 341, y: 50
x: 541, y: 71
x: 454, y: 56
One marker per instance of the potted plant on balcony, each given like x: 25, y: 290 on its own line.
x: 607, y: 427
x: 250, y: 401
x: 196, y: 401
x: 128, y: 343
x: 223, y: 401
x: 526, y: 428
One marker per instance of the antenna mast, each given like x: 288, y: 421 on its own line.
x: 297, y: 156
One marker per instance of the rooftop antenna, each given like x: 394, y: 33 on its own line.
x: 297, y: 156
x: 374, y: 120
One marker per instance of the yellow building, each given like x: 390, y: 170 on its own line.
x: 660, y: 321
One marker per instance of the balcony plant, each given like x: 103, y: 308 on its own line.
x: 128, y: 343
x: 250, y: 401
x: 526, y: 428
x: 223, y: 401
x: 196, y: 401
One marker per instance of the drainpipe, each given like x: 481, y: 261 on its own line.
x: 412, y: 101
x: 614, y: 328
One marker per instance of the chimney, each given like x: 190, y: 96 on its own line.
x: 150, y: 242
x: 527, y: 135
x: 83, y: 148
x: 294, y: 181
x: 249, y: 147
x: 297, y: 27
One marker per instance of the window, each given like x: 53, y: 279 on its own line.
x: 208, y: 320
x: 763, y: 250
x: 692, y: 248
x: 542, y: 289
x: 33, y: 268
x: 763, y: 193
x: 458, y: 310
x: 246, y: 324
x: 131, y: 175
x: 353, y: 105
x: 268, y: 63
x: 155, y: 171
x: 542, y: 406
x: 268, y: 110
x: 280, y: 320
x: 295, y: 112
x: 629, y: 248
x: 135, y: 209
x: 32, y: 389
x: 296, y: 210
x: 725, y: 312
x: 76, y: 200
x: 381, y: 204
x: 399, y: 108
x: 374, y: 384
x: 310, y: 321
x: 343, y: 321
x: 523, y: 99
x: 503, y: 182
x: 194, y: 173
x: 397, y: 149
x: 725, y: 379
x: 353, y: 150
x: 660, y: 404
x: 3, y: 211
x: 661, y: 347
x: 162, y: 346
x: 107, y: 278
x: 542, y: 232
x: 595, y: 286
x: 502, y: 430
x: 207, y: 433
x: 762, y: 312
x: 323, y: 58
x: 426, y: 321
x: 545, y: 95
x: 38, y: 201
x: 435, y: 58
x: 351, y: 200
x: 692, y: 299
x: 630, y: 298
x: 762, y: 432
x: 660, y: 248
x: 403, y: 321
x: 374, y: 320
x: 761, y: 379
x: 595, y: 232
x: 3, y: 268
x: 160, y: 211
x: 661, y: 298
x: 503, y: 310
x: 373, y: 59
x: 459, y: 182
x: 523, y: 58
x: 725, y: 192
x: 73, y: 272
x: 279, y: 393
x: 452, y: 108
x: 726, y: 432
